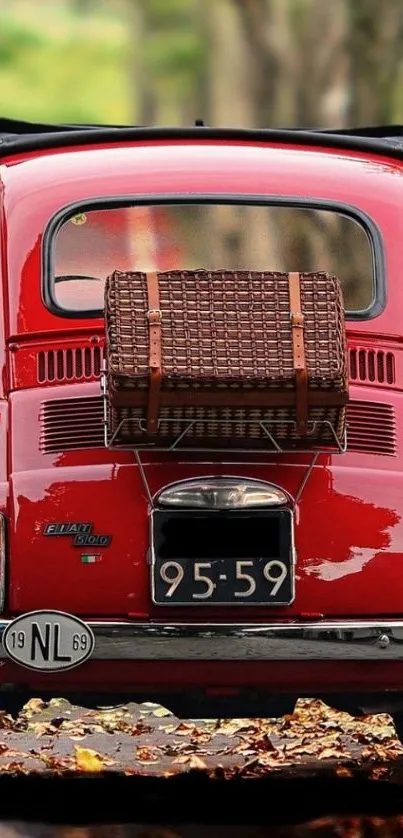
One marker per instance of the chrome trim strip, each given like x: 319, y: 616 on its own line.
x: 311, y: 641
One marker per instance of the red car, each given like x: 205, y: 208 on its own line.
x: 115, y: 574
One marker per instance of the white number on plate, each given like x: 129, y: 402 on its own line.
x: 205, y: 580
x: 277, y: 578
x: 240, y: 574
x: 172, y: 579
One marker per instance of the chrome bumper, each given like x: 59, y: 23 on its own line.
x: 313, y: 641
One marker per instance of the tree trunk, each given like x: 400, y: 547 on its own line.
x: 375, y: 48
x: 143, y: 97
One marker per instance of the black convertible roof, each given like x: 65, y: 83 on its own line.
x: 18, y: 136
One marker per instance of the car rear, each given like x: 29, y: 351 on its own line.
x: 222, y: 568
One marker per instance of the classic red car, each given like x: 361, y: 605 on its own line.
x: 117, y: 575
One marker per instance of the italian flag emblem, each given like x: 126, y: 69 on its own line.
x: 90, y: 558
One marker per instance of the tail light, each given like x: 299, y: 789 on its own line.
x: 222, y: 493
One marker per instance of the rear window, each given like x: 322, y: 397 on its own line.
x: 88, y: 246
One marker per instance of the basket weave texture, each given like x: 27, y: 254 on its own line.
x: 223, y: 332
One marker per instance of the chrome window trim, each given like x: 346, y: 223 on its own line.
x: 367, y: 223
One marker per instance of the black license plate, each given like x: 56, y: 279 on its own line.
x: 220, y: 558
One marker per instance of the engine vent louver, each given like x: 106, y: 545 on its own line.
x: 371, y: 428
x: 72, y: 424
x: 368, y: 366
x: 81, y: 363
x: 371, y: 366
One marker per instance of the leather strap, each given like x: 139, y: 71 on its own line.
x: 226, y: 397
x: 297, y: 333
x: 154, y: 316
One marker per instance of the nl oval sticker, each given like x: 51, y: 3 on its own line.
x: 48, y: 641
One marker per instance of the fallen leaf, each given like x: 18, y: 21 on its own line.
x: 88, y: 760
x: 236, y: 726
x: 162, y: 711
x: 6, y: 721
x: 183, y: 729
x: 343, y: 771
x: 271, y: 760
x: 15, y: 768
x: 147, y: 754
x: 200, y: 737
x: 42, y: 729
x: 332, y: 753
x: 382, y: 753
x: 379, y: 772
x: 57, y: 763
x: 59, y: 702
x: 251, y: 763
x: 33, y: 706
x: 193, y: 762
x: 197, y: 763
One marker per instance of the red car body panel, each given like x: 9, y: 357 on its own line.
x: 337, y: 570
x: 349, y: 530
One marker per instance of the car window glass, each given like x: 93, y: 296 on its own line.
x: 91, y: 245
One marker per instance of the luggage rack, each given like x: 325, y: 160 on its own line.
x: 335, y: 445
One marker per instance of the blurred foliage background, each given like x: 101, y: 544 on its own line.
x: 229, y: 62
x: 273, y: 63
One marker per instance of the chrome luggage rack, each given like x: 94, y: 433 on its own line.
x: 275, y: 446
x: 333, y: 446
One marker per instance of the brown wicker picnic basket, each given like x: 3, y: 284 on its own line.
x: 225, y: 358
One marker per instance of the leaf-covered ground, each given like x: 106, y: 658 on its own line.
x: 331, y: 827
x: 147, y: 740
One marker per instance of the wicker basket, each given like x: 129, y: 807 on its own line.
x: 226, y: 356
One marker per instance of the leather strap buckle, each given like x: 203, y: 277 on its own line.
x: 154, y: 317
x: 298, y: 347
x: 297, y: 319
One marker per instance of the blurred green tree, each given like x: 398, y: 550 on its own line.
x: 168, y: 58
x: 244, y: 62
x: 74, y: 68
